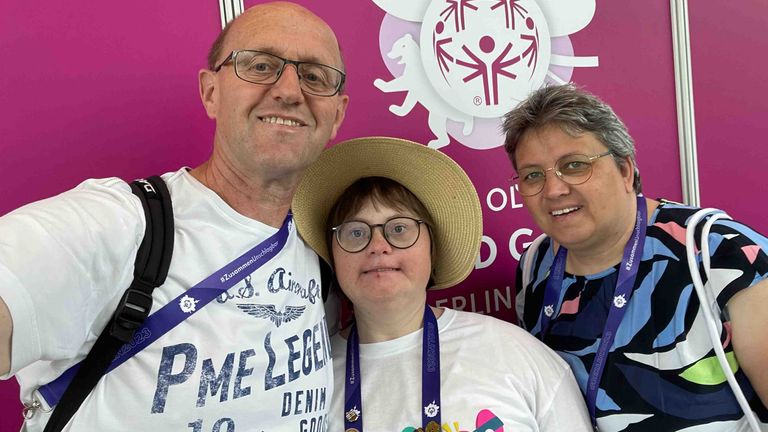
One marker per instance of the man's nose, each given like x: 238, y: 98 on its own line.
x: 288, y: 85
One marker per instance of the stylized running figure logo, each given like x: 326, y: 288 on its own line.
x: 495, y: 49
x: 481, y: 58
x: 499, y: 66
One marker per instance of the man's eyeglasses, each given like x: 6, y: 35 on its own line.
x: 400, y: 232
x: 264, y: 68
x: 573, y: 169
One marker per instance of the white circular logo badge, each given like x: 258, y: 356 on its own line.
x: 485, y: 56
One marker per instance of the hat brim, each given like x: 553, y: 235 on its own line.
x: 437, y: 181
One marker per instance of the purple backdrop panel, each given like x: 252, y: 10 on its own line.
x: 98, y: 90
x: 95, y: 89
x: 730, y: 110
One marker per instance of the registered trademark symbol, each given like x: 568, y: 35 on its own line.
x: 477, y: 100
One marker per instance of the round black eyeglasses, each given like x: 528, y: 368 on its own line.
x: 400, y: 232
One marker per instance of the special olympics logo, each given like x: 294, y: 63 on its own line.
x: 484, y: 60
x: 471, y: 61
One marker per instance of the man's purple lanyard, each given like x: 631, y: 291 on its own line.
x: 430, y: 378
x: 183, y: 306
x: 622, y: 293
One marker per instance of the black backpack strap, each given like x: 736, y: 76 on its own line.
x: 150, y: 270
x: 326, y: 276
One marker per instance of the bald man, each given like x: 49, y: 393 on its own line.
x: 254, y: 358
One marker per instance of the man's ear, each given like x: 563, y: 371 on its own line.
x: 341, y: 110
x: 208, y: 94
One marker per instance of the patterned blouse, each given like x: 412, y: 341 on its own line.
x: 661, y: 373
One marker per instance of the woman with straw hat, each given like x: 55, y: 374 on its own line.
x: 395, y: 218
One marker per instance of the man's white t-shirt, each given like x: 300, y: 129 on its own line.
x: 65, y: 262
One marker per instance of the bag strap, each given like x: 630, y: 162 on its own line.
x: 326, y: 276
x: 526, y: 266
x: 527, y: 258
x: 150, y: 270
x: 708, y: 302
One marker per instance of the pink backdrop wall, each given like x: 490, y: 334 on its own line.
x: 95, y: 89
x: 731, y: 102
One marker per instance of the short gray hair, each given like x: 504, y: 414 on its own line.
x: 575, y: 111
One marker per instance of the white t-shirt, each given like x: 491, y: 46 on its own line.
x: 488, y: 368
x: 65, y: 262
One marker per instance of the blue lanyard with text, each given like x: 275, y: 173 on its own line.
x: 621, y: 295
x: 430, y: 378
x: 183, y: 306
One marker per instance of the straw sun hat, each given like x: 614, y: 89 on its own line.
x: 436, y: 180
